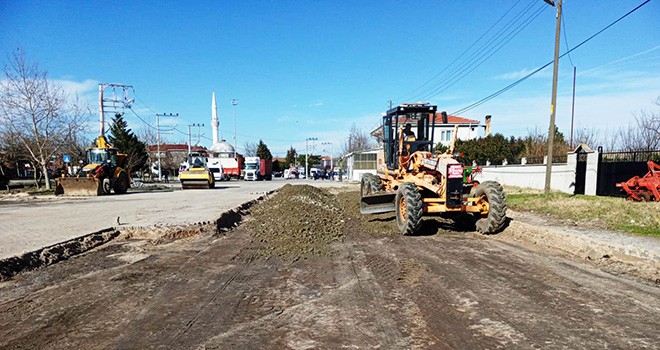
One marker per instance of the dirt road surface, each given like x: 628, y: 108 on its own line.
x: 343, y: 281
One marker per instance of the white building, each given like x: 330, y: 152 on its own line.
x: 468, y: 129
x: 223, y: 158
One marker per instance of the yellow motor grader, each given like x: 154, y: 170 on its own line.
x: 102, y: 173
x: 415, y: 181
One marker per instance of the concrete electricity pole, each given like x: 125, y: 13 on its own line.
x: 112, y: 102
x: 553, y: 106
x: 234, y: 102
x: 307, y: 155
x: 160, y: 173
x: 189, y: 143
x: 332, y: 168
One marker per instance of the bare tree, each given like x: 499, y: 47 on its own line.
x: 536, y: 144
x: 358, y: 140
x: 37, y: 111
x: 588, y: 136
x: 148, y: 135
x: 610, y: 141
x: 649, y: 125
x: 250, y: 149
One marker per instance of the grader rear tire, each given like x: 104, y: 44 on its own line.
x: 491, y: 192
x: 409, y: 209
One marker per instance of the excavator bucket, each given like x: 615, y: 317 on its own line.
x: 378, y: 203
x: 78, y: 186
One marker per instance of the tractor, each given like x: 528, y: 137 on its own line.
x: 415, y: 181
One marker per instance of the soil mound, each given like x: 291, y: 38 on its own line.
x: 297, y: 222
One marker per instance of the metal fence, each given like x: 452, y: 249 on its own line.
x: 615, y: 167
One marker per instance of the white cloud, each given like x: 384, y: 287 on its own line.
x: 81, y: 89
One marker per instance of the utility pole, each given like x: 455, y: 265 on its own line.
x: 112, y: 103
x: 234, y: 102
x: 553, y: 106
x: 573, y: 106
x: 332, y: 168
x: 160, y: 173
x: 307, y: 155
x: 189, y: 142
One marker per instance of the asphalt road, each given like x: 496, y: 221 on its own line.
x: 30, y: 223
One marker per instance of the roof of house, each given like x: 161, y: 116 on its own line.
x: 451, y: 119
x: 454, y: 119
x: 176, y: 147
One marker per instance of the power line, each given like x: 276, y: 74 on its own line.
x: 563, y: 23
x: 145, y: 122
x: 497, y: 41
x: 508, y: 87
x: 440, y: 87
x: 462, y: 54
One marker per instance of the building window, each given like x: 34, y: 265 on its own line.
x: 365, y: 161
x: 449, y: 133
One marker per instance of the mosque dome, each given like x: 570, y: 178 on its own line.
x: 222, y: 147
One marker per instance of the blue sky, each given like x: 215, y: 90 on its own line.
x: 310, y: 69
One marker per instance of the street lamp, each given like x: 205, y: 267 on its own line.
x: 553, y: 105
x: 234, y: 102
x: 307, y: 154
x: 332, y: 168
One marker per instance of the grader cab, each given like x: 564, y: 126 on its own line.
x: 416, y: 181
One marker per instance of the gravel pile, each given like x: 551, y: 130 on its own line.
x: 298, y: 221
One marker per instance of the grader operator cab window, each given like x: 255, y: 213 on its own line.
x: 418, y: 136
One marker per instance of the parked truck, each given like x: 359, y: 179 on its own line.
x: 258, y: 169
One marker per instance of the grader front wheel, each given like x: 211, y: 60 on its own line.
x: 492, y: 193
x: 409, y: 209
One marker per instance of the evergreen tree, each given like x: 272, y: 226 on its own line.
x: 263, y: 152
x: 125, y: 141
x: 291, y: 156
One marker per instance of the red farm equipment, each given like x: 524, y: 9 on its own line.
x: 645, y: 188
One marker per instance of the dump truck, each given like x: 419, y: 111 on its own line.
x: 103, y: 173
x: 414, y: 180
x: 196, y: 173
x: 258, y: 169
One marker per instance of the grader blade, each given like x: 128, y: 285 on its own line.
x: 378, y: 203
x: 77, y: 186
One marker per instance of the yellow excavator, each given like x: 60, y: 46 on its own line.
x: 103, y: 173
